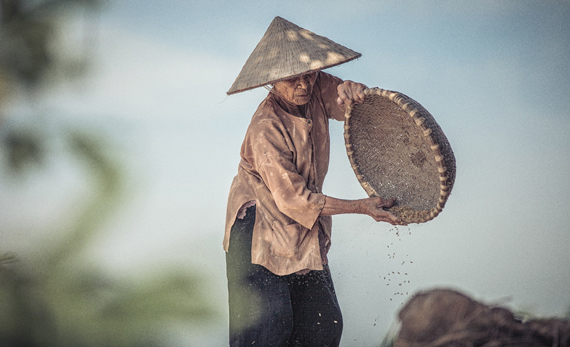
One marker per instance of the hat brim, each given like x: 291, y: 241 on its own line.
x: 286, y: 51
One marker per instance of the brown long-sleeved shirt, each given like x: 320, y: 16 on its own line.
x: 284, y: 160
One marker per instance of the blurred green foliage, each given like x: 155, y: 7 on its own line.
x: 57, y: 297
x: 28, y: 33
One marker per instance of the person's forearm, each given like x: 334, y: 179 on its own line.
x: 374, y: 207
x: 339, y: 206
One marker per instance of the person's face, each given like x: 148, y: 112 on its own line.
x: 297, y: 90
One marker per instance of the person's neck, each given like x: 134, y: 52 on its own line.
x: 295, y: 110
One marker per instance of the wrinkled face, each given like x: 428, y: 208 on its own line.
x: 297, y: 90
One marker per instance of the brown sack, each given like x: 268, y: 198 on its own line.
x: 447, y: 318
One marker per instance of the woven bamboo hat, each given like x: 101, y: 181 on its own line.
x: 285, y: 51
x: 397, y: 150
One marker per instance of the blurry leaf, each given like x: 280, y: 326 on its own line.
x: 6, y: 259
x: 24, y: 316
x: 164, y: 296
x: 59, y: 298
x: 28, y: 28
x: 106, y: 177
x: 91, y: 150
x: 63, y: 301
x: 25, y: 39
x: 94, y: 310
x: 24, y: 149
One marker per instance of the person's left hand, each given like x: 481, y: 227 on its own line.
x: 350, y: 93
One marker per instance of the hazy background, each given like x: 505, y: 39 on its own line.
x: 494, y: 74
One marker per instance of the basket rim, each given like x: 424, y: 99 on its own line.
x: 416, y: 113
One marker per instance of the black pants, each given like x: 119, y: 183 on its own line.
x: 271, y: 310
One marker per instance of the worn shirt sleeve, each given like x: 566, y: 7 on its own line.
x: 274, y: 157
x: 328, y: 89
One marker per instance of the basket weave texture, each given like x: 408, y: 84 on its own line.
x: 397, y: 150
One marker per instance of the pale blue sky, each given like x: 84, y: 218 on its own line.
x: 494, y: 74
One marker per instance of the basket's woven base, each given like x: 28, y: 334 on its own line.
x: 410, y: 215
x: 397, y: 150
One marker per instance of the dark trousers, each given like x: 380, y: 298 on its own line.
x: 271, y: 310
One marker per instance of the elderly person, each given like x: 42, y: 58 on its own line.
x: 278, y: 224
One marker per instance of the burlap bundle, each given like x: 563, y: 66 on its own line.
x: 448, y: 318
x: 397, y: 150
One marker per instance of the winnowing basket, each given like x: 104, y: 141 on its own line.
x: 397, y: 150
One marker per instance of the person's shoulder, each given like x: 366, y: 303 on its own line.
x: 327, y: 84
x: 267, y: 110
x: 327, y: 78
x: 326, y: 75
x: 266, y: 116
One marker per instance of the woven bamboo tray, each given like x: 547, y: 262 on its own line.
x: 397, y: 150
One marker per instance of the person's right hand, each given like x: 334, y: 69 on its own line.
x: 374, y: 207
x: 350, y: 93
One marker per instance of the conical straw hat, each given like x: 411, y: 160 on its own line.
x: 285, y: 51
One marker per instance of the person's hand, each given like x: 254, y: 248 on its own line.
x: 374, y: 207
x: 350, y: 93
